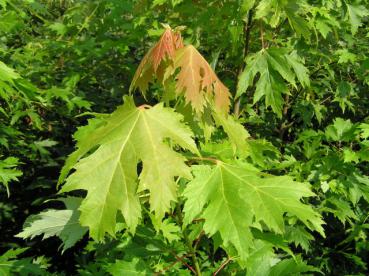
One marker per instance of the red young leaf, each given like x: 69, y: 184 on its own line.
x: 198, y: 81
x: 165, y: 48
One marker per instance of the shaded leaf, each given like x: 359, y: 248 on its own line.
x: 61, y: 223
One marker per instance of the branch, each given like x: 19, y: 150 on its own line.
x: 178, y: 259
x: 188, y: 242
x: 223, y: 265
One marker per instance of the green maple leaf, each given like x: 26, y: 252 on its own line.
x: 61, y: 223
x: 261, y: 259
x: 237, y: 134
x: 7, y: 73
x: 170, y: 230
x: 273, y: 11
x: 274, y: 66
x: 354, y: 14
x: 8, y: 172
x: 340, y: 130
x: 297, y: 22
x: 128, y: 136
x: 232, y: 198
x: 135, y: 267
x: 364, y: 130
x: 292, y: 267
x: 12, y: 264
x: 299, y: 236
x: 302, y: 73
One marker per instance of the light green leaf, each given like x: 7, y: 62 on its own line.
x: 3, y: 3
x: 236, y: 132
x: 247, y: 5
x: 299, y: 236
x: 61, y: 223
x: 233, y: 198
x: 273, y: 66
x: 297, y: 22
x: 259, y: 149
x: 364, y: 130
x: 10, y: 21
x: 302, y: 73
x: 129, y: 136
x: 59, y: 28
x: 291, y: 267
x: 277, y: 60
x: 169, y: 229
x: 261, y: 259
x: 135, y: 267
x: 350, y: 156
x: 269, y: 84
x: 340, y: 130
x: 354, y: 14
x: 7, y: 73
x: 274, y: 11
x: 345, y: 56
x: 8, y: 172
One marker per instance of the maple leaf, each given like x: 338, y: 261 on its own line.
x: 129, y: 135
x: 197, y: 81
x: 164, y: 49
x: 232, y: 198
x: 273, y: 66
x: 237, y: 134
x: 12, y: 264
x: 61, y: 223
x: 134, y: 267
x: 354, y: 14
x: 8, y: 171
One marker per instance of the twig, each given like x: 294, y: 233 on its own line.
x: 326, y: 99
x: 222, y: 266
x: 191, y: 250
x: 197, y: 241
x: 178, y: 259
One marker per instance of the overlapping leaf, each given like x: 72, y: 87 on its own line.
x: 237, y: 134
x: 231, y: 198
x: 129, y: 136
x: 12, y: 264
x: 354, y: 14
x: 274, y: 11
x: 164, y: 49
x: 61, y: 223
x: 198, y: 81
x: 8, y: 171
x: 274, y: 66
